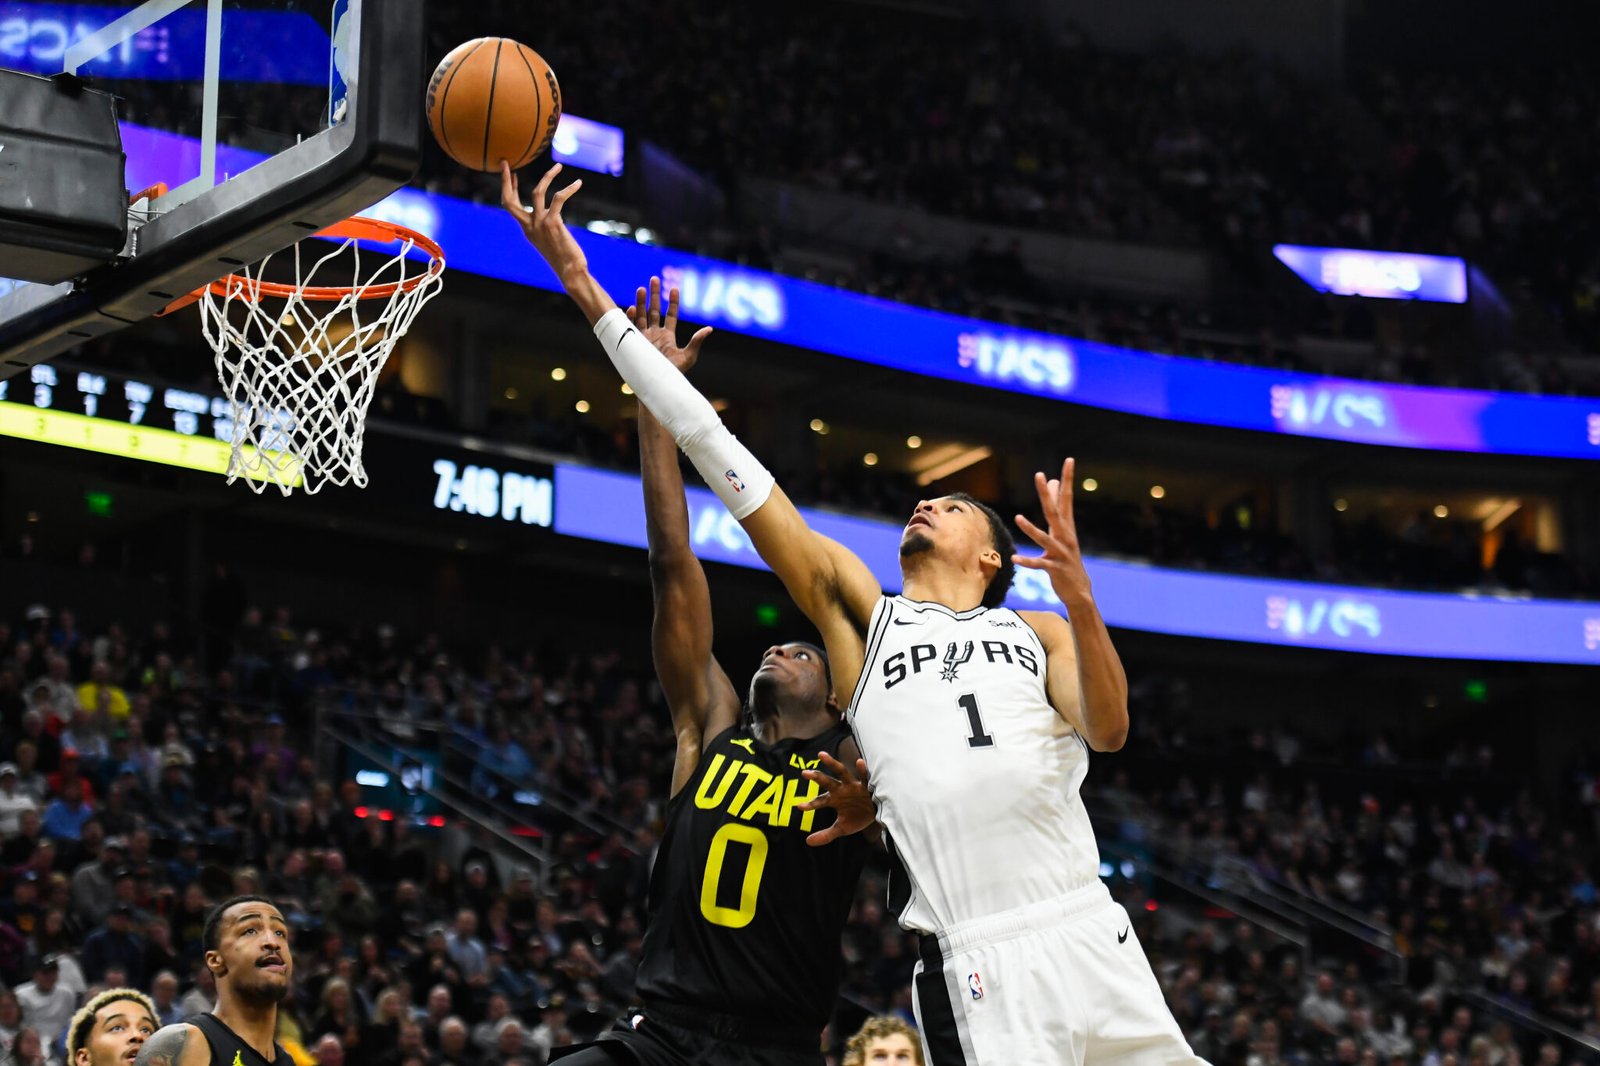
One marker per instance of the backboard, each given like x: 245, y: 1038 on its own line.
x: 267, y: 120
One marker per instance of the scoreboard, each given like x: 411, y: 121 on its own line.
x: 127, y: 401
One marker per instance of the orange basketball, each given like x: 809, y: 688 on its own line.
x: 493, y: 99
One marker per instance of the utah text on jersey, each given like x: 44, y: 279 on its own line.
x: 751, y: 793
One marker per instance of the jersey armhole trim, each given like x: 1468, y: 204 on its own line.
x: 880, y: 625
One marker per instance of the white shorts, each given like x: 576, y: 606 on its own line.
x: 1062, y: 981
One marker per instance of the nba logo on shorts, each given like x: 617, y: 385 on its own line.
x: 975, y: 985
x: 733, y: 479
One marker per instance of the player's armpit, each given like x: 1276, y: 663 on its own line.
x: 1061, y: 665
x: 170, y: 1046
x: 1096, y: 705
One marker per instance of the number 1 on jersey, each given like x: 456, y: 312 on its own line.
x: 978, y: 739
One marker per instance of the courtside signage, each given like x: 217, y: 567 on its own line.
x: 94, y: 412
x: 864, y: 328
x: 608, y: 506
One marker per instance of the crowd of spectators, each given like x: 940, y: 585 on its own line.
x: 138, y: 787
x: 1423, y: 552
x: 1476, y: 892
x: 1000, y: 122
x: 1005, y: 123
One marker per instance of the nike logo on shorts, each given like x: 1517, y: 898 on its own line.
x: 1122, y: 937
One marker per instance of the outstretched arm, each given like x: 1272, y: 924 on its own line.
x: 829, y: 584
x: 1083, y: 673
x: 699, y: 695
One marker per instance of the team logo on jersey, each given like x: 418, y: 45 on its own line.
x: 975, y: 985
x: 733, y: 479
x: 952, y: 661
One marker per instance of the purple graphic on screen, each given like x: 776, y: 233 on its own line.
x: 930, y: 343
x: 1381, y: 275
x: 608, y: 506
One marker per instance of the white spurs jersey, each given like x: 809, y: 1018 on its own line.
x: 975, y: 774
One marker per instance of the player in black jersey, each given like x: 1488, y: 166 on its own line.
x: 741, y: 960
x: 247, y: 949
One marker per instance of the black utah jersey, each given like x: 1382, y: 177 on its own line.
x: 745, y: 916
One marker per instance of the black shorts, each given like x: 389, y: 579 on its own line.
x: 644, y: 1038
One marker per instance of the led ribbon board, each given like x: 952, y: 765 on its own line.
x: 608, y: 507
x: 102, y: 435
x: 480, y: 240
x: 605, y: 506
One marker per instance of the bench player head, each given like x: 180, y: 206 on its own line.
x: 247, y: 951
x: 110, y: 1029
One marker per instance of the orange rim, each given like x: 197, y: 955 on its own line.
x: 356, y: 228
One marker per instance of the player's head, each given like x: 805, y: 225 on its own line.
x: 792, y: 678
x: 884, y: 1041
x: 247, y: 950
x: 960, y: 532
x: 111, y: 1028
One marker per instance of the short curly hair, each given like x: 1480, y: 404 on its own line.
x: 876, y: 1028
x: 83, y: 1022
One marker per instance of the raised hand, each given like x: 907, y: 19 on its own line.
x: 846, y: 794
x: 1062, y: 558
x: 542, y: 224
x: 663, y: 333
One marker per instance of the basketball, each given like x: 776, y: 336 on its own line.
x: 493, y: 99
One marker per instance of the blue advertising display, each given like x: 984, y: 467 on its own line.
x: 1381, y: 275
x: 476, y: 238
x: 286, y: 47
x: 586, y: 143
x: 608, y: 506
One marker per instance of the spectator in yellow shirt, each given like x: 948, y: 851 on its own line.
x: 99, y: 686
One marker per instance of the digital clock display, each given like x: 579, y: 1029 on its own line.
x: 485, y: 492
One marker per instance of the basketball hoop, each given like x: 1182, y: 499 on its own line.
x: 298, y: 375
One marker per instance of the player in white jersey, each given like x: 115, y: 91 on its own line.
x: 976, y: 721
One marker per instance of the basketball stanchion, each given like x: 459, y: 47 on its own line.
x: 299, y: 360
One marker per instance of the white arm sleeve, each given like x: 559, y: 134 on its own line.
x: 736, y: 476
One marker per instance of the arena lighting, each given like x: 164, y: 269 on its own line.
x: 1494, y: 513
x: 951, y: 465
x: 113, y: 438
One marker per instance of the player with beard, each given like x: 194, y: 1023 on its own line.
x: 247, y: 950
x: 751, y: 887
x: 977, y: 722
x: 110, y: 1029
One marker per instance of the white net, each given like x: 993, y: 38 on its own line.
x: 299, y: 372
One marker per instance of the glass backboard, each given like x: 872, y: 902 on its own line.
x: 264, y: 119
